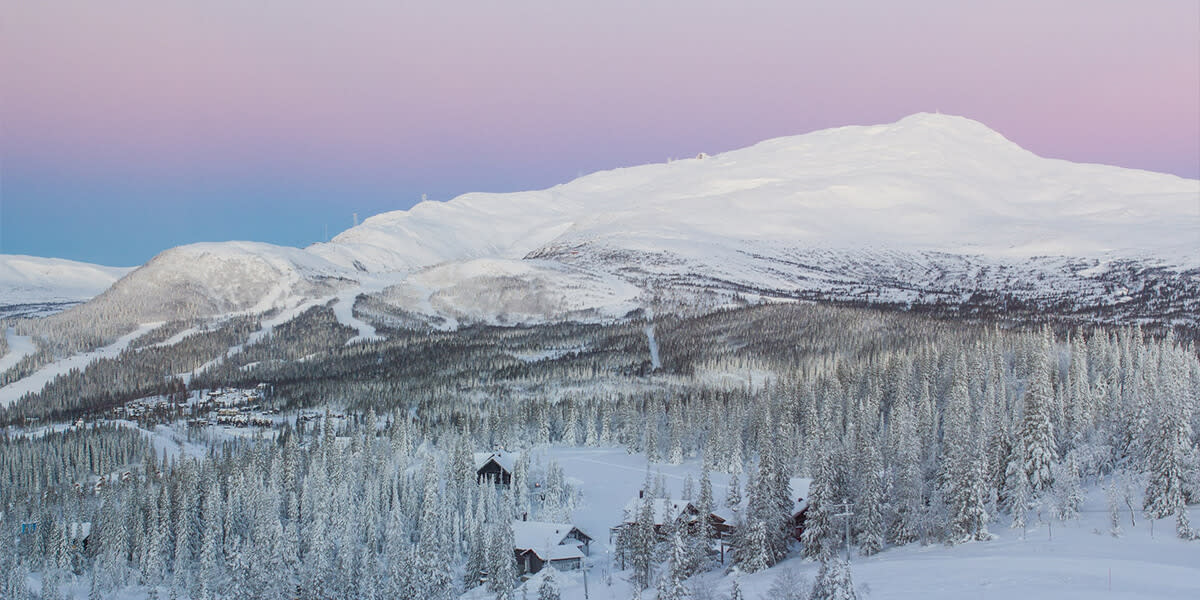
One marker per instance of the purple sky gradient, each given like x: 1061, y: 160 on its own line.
x: 129, y: 126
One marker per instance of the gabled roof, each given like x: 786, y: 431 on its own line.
x: 546, y: 540
x: 79, y: 531
x: 799, y: 488
x: 530, y: 534
x: 665, y: 509
x: 561, y: 552
x: 506, y: 460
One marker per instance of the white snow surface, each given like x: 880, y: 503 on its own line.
x: 926, y: 182
x: 34, y: 280
x: 19, y: 346
x: 931, y: 199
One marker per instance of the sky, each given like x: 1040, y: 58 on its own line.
x: 131, y: 126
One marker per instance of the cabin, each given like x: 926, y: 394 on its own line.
x: 537, y: 544
x: 799, y: 489
x: 675, y: 512
x: 78, y: 535
x: 495, y: 467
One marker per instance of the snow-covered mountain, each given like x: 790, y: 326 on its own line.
x: 29, y: 284
x: 930, y: 208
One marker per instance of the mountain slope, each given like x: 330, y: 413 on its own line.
x: 932, y: 208
x: 29, y: 284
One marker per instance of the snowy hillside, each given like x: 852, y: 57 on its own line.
x: 27, y: 282
x: 932, y: 208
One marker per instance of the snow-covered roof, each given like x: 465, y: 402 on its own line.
x: 529, y: 534
x: 800, y: 493
x: 799, y: 487
x: 506, y: 460
x: 79, y: 531
x: 546, y: 539
x: 665, y: 509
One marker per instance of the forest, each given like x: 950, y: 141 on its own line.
x: 935, y: 430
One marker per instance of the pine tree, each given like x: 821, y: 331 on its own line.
x: 1037, y: 432
x: 733, y: 493
x: 907, y: 481
x: 789, y: 585
x: 819, y: 529
x: 833, y: 581
x: 1068, y: 493
x: 754, y: 553
x: 670, y: 586
x: 735, y: 591
x: 869, y: 506
x: 706, y: 536
x: 964, y: 477
x: 642, y: 544
x: 501, y: 565
x: 548, y: 590
x: 1017, y: 493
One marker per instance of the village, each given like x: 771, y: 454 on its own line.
x: 205, y: 408
x: 566, y: 546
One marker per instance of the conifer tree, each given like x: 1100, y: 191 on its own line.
x: 548, y: 590
x: 1037, y: 432
x: 833, y: 581
x: 670, y: 585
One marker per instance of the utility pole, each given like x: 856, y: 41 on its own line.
x: 846, y: 513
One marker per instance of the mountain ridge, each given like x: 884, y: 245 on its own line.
x: 931, y: 204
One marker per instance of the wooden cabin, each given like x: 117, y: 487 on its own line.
x: 537, y: 544
x: 496, y: 467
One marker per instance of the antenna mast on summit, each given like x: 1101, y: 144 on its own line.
x: 355, y: 219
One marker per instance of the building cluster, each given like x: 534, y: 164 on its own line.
x: 538, y: 544
x: 233, y: 407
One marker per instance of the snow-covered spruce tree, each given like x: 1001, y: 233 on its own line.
x: 706, y: 536
x: 869, y: 505
x: 501, y: 567
x: 754, y: 552
x: 735, y: 591
x: 1017, y: 493
x: 1067, y: 491
x: 1112, y: 496
x: 769, y: 505
x: 964, y: 478
x: 834, y: 581
x: 789, y: 585
x: 820, y: 531
x: 670, y: 585
x: 733, y: 493
x: 1079, y: 407
x: 642, y: 542
x: 548, y: 590
x: 907, y: 481
x: 1036, y: 434
x: 1172, y: 458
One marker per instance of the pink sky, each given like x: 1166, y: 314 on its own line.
x: 389, y: 99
